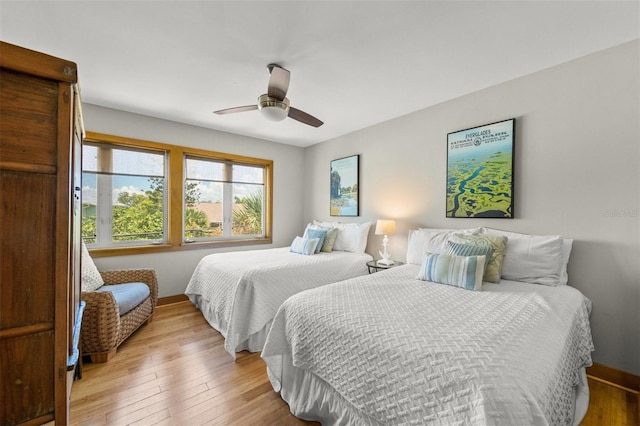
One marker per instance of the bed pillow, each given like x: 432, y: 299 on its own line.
x: 320, y: 234
x: 91, y: 280
x: 567, y: 244
x: 351, y: 237
x: 431, y: 240
x: 329, y: 240
x: 306, y: 246
x: 535, y: 259
x: 460, y: 271
x: 457, y: 249
x: 497, y: 242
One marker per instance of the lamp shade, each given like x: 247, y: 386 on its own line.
x: 272, y: 108
x: 385, y: 227
x: 274, y: 113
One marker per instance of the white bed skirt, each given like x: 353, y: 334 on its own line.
x: 254, y: 343
x: 311, y: 398
x: 582, y: 398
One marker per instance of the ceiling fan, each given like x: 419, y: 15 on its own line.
x: 274, y: 104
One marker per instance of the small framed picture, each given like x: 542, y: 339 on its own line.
x: 344, y: 187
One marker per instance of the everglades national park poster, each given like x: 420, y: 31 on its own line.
x: 480, y: 171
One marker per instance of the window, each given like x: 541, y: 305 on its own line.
x: 142, y: 196
x: 223, y: 200
x: 123, y: 197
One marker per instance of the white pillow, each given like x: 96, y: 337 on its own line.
x: 535, y: 259
x: 351, y: 237
x: 431, y: 240
x: 91, y: 280
x: 566, y: 253
x: 306, y: 246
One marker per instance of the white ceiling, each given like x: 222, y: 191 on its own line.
x: 353, y: 63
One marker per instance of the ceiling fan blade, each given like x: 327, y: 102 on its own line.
x: 278, y: 82
x: 303, y: 117
x: 236, y: 109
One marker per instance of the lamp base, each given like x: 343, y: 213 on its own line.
x: 386, y: 257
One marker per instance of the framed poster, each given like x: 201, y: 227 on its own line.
x: 480, y: 171
x: 344, y: 186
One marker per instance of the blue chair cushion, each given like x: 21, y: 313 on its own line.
x: 127, y: 296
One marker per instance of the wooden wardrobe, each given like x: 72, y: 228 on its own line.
x: 40, y: 230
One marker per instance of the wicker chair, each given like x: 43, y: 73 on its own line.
x: 103, y: 329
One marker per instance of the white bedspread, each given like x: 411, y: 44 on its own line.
x: 397, y: 350
x: 239, y: 293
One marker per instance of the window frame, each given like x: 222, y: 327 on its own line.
x: 227, y: 196
x: 104, y: 181
x: 175, y: 196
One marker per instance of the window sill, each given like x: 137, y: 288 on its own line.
x: 164, y: 248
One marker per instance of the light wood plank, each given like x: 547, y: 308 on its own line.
x: 175, y: 371
x: 611, y: 405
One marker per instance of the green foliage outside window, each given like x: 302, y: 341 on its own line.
x: 137, y: 217
x: 140, y: 216
x: 248, y: 219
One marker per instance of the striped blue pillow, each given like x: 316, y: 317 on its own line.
x: 305, y: 246
x: 498, y: 243
x: 458, y: 249
x: 460, y: 271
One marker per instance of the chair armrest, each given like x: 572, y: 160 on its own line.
x: 140, y: 275
x: 100, y: 322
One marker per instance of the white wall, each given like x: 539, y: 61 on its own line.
x: 577, y: 174
x: 175, y: 268
x: 577, y: 162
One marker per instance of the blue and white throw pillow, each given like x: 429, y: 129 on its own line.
x: 306, y: 246
x: 320, y: 234
x: 497, y: 243
x: 459, y: 271
x: 458, y: 249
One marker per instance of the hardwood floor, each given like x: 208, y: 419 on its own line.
x: 611, y: 405
x: 175, y: 371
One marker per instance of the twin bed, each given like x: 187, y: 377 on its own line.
x: 239, y: 293
x: 396, y: 348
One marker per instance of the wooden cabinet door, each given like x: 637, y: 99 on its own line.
x: 37, y: 231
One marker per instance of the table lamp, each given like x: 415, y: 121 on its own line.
x: 385, y: 227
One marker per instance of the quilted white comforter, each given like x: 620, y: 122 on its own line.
x: 396, y: 350
x: 239, y: 293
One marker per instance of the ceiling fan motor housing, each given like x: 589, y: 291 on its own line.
x: 272, y: 108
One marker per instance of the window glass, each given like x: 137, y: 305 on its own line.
x: 89, y: 207
x: 203, y: 209
x: 247, y: 209
x: 204, y: 169
x: 123, y: 196
x: 222, y: 200
x: 248, y: 174
x: 127, y: 162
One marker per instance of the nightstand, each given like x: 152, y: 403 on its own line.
x: 374, y: 266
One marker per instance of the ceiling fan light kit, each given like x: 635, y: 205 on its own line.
x: 273, y: 109
x: 274, y: 105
